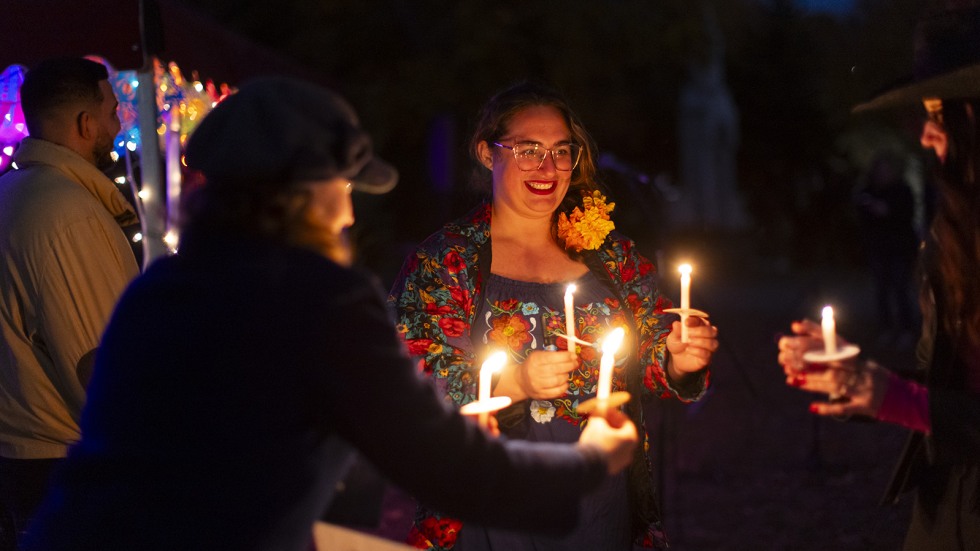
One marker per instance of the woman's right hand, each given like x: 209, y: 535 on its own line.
x: 615, y: 436
x: 542, y: 376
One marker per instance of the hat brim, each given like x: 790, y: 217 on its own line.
x: 958, y: 84
x: 376, y: 177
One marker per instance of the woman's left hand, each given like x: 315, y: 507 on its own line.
x: 695, y: 355
x: 856, y: 387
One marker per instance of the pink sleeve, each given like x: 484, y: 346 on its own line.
x: 906, y: 403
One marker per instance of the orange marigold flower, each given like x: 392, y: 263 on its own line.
x: 587, y: 230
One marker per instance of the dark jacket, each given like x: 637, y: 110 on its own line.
x: 233, y: 383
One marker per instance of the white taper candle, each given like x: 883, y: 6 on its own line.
x: 685, y: 270
x: 570, y: 315
x: 495, y: 362
x: 609, y: 347
x: 829, y: 330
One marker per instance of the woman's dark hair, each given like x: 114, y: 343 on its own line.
x: 493, y: 123
x: 955, y: 227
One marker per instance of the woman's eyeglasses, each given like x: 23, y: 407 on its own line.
x: 531, y: 156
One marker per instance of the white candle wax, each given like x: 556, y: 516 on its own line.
x: 685, y: 270
x: 829, y: 330
x: 609, y: 347
x: 495, y: 362
x: 570, y: 315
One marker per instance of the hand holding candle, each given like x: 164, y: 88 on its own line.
x: 815, y: 359
x: 830, y: 352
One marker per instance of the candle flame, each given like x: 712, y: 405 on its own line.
x: 570, y: 289
x: 684, y: 269
x: 171, y: 239
x: 495, y: 362
x: 612, y: 341
x: 828, y: 312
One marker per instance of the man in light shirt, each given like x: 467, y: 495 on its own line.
x: 64, y: 261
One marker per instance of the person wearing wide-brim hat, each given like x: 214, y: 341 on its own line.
x: 941, y: 462
x: 237, y: 378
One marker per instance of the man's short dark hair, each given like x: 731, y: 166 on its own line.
x: 57, y: 82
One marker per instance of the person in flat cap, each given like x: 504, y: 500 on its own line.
x: 237, y: 378
x: 941, y: 404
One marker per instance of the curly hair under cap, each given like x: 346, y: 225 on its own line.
x: 493, y: 123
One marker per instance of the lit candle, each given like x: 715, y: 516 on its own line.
x: 492, y: 364
x: 685, y: 270
x: 570, y: 316
x: 609, y: 347
x: 829, y: 330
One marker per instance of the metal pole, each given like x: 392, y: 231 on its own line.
x: 152, y: 192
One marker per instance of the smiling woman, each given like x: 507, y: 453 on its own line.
x: 497, y: 279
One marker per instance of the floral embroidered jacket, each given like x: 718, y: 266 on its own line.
x: 436, y: 297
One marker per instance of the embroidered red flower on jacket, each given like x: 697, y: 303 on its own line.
x: 454, y: 263
x: 417, y: 347
x: 627, y: 271
x: 453, y: 327
x: 441, y: 532
x: 434, y: 309
x: 461, y: 297
x: 510, y: 331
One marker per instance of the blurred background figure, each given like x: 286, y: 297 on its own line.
x: 886, y: 212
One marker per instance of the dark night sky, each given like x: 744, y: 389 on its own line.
x: 417, y: 71
x: 828, y: 6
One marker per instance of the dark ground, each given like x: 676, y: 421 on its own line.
x: 748, y: 467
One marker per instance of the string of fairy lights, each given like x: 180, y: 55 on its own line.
x: 181, y: 104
